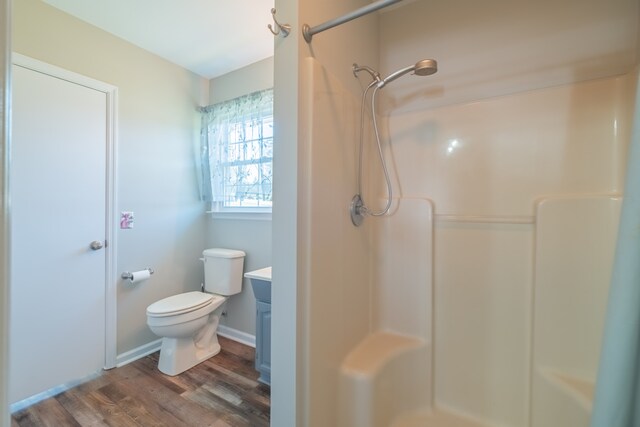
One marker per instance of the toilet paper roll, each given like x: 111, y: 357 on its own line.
x: 139, y: 276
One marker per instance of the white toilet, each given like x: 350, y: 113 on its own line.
x: 188, y: 322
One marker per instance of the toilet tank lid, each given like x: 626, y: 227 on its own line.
x: 223, y: 253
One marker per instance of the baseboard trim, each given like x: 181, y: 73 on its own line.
x: 54, y: 391
x: 138, y: 353
x: 146, y: 349
x: 236, y: 335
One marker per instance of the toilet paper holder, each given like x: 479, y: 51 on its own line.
x: 127, y: 275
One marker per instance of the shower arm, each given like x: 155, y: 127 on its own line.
x: 374, y: 74
x: 396, y: 75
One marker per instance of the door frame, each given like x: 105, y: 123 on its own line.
x: 111, y: 93
x: 5, y: 121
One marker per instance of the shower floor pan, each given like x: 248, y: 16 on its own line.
x: 434, y: 418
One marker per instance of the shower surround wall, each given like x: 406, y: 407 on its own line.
x: 320, y: 261
x: 472, y: 177
x: 488, y: 168
x: 338, y: 287
x: 442, y: 304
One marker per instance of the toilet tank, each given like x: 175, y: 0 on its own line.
x: 223, y: 271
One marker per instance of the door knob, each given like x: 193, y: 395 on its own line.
x: 96, y: 245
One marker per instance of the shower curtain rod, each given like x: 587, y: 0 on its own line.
x: 308, y: 31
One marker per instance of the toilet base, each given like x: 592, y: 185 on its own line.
x: 179, y: 354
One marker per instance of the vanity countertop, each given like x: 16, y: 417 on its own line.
x: 262, y: 274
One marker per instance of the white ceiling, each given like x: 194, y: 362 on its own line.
x: 208, y: 37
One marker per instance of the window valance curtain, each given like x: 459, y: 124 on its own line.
x: 232, y: 139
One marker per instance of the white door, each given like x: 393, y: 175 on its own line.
x: 58, y: 196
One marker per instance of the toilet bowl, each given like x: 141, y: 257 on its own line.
x: 188, y: 322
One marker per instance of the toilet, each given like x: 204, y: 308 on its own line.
x: 188, y: 322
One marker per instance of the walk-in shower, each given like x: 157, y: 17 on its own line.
x: 424, y: 67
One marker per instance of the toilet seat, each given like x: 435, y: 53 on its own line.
x: 179, y: 304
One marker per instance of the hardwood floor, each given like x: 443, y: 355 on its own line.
x: 220, y: 392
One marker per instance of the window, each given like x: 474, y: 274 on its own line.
x: 237, y: 153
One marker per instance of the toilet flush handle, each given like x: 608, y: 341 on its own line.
x: 201, y: 284
x: 202, y: 287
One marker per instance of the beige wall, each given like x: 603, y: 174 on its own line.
x: 252, y: 78
x: 158, y: 128
x: 254, y: 237
x: 248, y: 234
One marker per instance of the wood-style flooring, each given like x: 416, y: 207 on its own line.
x: 220, y: 392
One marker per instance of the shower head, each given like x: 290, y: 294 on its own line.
x: 424, y: 67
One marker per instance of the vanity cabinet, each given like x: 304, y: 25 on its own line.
x: 261, y: 285
x: 263, y: 341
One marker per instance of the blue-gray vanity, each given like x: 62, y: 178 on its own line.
x: 261, y: 284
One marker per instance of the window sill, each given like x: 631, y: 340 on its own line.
x: 252, y: 216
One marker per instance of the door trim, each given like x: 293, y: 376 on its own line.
x: 5, y: 143
x: 111, y: 93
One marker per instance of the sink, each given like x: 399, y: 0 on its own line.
x: 261, y: 283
